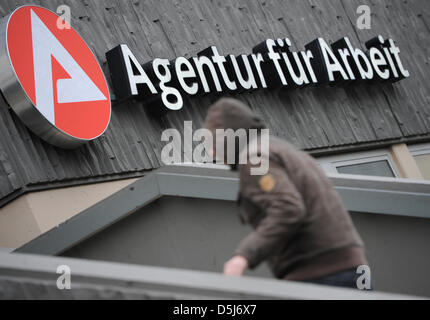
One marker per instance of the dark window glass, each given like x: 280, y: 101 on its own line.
x: 377, y: 168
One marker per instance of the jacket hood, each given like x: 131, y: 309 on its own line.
x: 229, y: 113
x: 232, y: 114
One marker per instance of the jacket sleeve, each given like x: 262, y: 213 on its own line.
x: 282, y: 210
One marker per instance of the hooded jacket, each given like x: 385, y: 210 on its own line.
x: 301, y: 227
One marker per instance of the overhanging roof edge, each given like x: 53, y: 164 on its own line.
x: 211, y: 183
x: 96, y: 218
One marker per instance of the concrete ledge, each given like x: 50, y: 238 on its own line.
x: 34, y: 277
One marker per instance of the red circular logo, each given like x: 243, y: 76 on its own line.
x: 58, y: 72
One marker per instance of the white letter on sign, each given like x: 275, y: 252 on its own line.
x: 133, y: 79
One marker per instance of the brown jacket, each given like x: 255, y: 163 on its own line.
x: 300, y: 225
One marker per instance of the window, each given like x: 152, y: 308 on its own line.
x: 371, y: 163
x: 421, y: 155
x: 374, y: 168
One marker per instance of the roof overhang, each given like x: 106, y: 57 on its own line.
x: 360, y: 194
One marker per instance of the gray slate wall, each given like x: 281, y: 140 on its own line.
x: 313, y: 119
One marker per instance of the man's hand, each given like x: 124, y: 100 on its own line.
x: 235, y: 266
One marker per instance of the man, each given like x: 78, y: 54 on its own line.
x: 300, y: 225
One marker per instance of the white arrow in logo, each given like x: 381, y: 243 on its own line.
x: 79, y: 88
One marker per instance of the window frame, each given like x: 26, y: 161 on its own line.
x: 330, y: 163
x: 419, y: 149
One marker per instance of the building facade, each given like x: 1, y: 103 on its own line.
x: 371, y: 128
